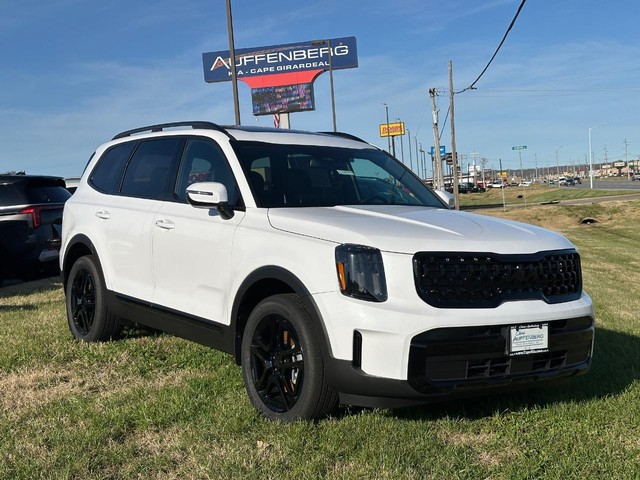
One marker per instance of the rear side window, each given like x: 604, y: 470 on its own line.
x: 107, y: 174
x: 148, y: 174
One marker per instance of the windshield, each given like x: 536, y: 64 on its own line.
x: 316, y: 176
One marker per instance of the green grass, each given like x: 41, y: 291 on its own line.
x: 535, y: 194
x: 157, y: 407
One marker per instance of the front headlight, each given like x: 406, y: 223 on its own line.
x: 361, y: 272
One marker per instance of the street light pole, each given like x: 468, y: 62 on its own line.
x: 401, y: 142
x: 333, y: 97
x: 317, y: 43
x: 386, y: 107
x: 558, y: 166
x: 591, y: 156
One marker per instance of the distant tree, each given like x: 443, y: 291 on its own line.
x: 14, y: 172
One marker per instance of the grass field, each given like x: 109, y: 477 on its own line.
x: 535, y: 194
x: 157, y: 407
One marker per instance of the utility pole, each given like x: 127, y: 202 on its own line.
x: 504, y: 203
x: 437, y: 171
x: 401, y: 143
x: 626, y: 158
x: 410, y: 156
x: 454, y: 152
x: 483, y: 163
x: 474, y: 155
x: 386, y: 108
x: 417, y: 157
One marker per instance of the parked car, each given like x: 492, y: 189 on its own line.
x: 30, y: 224
x: 71, y: 183
x: 326, y: 268
x: 635, y: 176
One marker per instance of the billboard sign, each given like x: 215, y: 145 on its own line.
x: 391, y: 129
x: 286, y: 64
x: 281, y: 99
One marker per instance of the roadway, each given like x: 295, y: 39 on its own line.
x: 616, y: 183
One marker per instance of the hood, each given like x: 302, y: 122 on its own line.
x: 406, y: 229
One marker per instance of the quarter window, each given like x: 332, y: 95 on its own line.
x: 107, y: 174
x: 149, y: 171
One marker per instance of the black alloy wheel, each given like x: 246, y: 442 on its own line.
x: 88, y: 316
x: 277, y: 363
x: 282, y: 361
x: 83, y: 302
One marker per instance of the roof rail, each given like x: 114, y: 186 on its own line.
x: 344, y: 135
x: 161, y: 126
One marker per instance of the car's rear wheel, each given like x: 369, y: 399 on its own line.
x: 87, y: 312
x: 282, y: 364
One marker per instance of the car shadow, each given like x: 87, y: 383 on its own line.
x: 614, y: 368
x: 13, y: 286
x: 15, y: 308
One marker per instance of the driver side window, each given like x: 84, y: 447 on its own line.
x: 203, y: 161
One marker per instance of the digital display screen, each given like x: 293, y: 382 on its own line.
x: 282, y: 99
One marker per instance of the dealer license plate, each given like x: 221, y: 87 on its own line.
x: 526, y: 339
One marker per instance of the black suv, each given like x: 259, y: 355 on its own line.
x: 30, y: 224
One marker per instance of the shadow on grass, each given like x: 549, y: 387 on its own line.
x: 16, y: 287
x: 15, y: 308
x: 615, y: 366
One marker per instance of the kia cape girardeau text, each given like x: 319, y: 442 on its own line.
x: 328, y: 270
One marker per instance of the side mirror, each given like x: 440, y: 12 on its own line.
x: 210, y: 195
x: 446, y: 197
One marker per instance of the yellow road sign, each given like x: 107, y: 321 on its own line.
x: 396, y: 128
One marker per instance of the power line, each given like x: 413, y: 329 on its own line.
x: 471, y: 87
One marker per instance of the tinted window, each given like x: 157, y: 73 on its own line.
x: 149, y: 171
x: 107, y: 174
x: 203, y: 161
x: 32, y: 190
x: 37, y: 194
x: 309, y: 176
x: 9, y: 195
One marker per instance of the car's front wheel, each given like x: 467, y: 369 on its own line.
x: 87, y: 312
x: 282, y: 364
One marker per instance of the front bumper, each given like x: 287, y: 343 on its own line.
x: 446, y: 363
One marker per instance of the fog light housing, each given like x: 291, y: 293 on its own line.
x: 361, y: 272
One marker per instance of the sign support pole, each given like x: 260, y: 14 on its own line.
x: 232, y: 55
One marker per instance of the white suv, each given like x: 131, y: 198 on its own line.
x: 324, y: 266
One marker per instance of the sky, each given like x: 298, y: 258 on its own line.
x: 73, y: 73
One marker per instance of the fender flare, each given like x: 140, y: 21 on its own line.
x: 290, y: 280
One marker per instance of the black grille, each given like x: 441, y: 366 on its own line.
x: 485, y: 280
x: 446, y: 359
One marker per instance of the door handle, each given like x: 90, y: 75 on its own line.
x: 103, y: 214
x: 165, y: 224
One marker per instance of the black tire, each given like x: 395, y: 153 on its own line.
x: 282, y: 364
x: 87, y: 313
